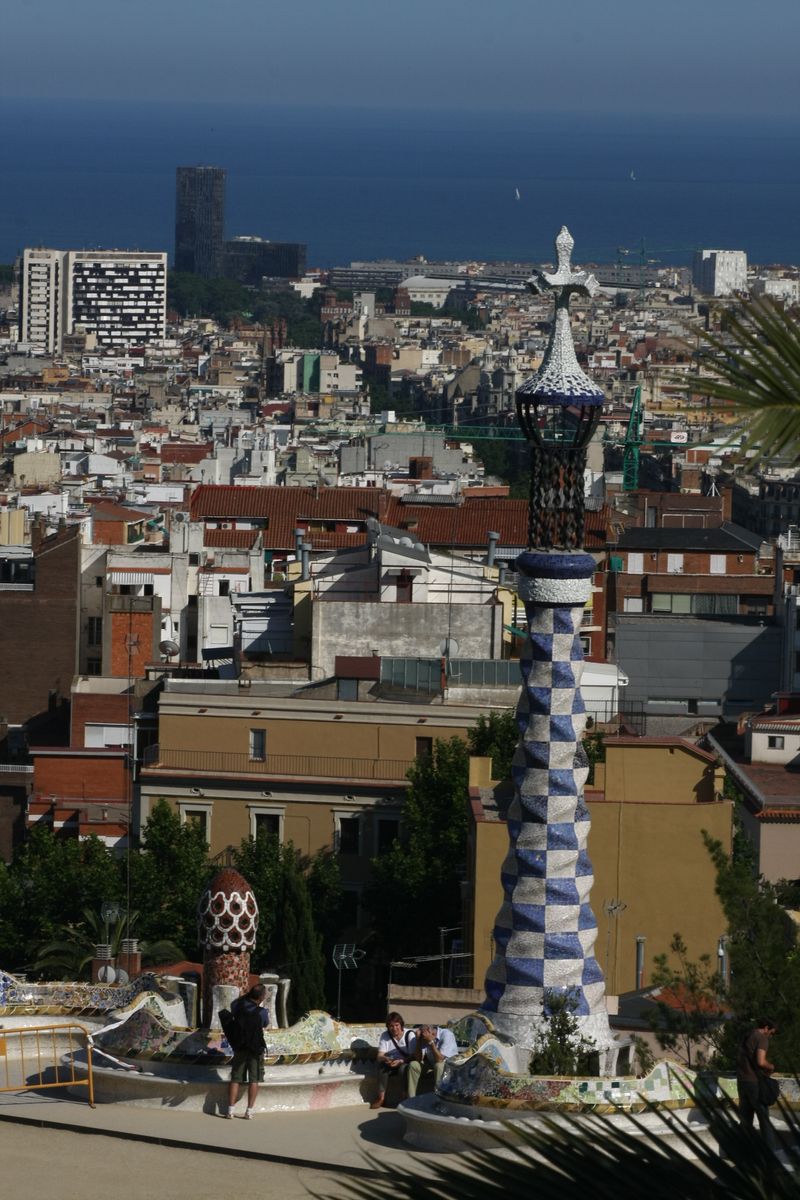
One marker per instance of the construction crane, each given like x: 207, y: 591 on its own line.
x: 645, y: 261
x: 633, y: 444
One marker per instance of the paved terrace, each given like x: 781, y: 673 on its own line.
x: 52, y: 1145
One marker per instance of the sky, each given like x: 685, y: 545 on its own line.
x: 649, y: 56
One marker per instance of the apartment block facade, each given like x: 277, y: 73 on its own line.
x: 119, y: 296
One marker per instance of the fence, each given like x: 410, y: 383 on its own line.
x: 42, y: 1050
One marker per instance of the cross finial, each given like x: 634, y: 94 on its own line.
x: 565, y: 279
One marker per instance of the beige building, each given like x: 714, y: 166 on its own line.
x: 321, y: 773
x: 650, y: 803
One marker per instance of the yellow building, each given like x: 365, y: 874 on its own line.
x: 650, y: 803
x: 320, y: 772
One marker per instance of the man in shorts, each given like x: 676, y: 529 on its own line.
x: 247, y: 1065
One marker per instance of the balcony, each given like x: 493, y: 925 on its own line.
x: 131, y: 604
x: 285, y: 766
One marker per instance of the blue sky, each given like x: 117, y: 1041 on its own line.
x: 646, y: 56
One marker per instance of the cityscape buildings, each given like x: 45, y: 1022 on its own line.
x: 219, y: 538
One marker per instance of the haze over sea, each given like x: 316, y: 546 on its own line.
x: 363, y: 184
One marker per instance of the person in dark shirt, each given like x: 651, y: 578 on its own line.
x: 247, y: 1064
x: 752, y: 1062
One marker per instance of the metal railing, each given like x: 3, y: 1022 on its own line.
x: 39, y: 1053
x: 222, y: 762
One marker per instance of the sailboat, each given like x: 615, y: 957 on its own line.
x: 517, y: 195
x: 633, y: 176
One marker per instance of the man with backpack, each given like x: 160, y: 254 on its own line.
x: 246, y: 1038
x: 753, y: 1070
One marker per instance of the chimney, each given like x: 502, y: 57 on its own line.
x: 129, y: 958
x: 305, y: 551
x: 298, y: 541
x: 494, y: 538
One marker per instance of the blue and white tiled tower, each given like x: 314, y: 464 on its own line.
x: 545, y: 931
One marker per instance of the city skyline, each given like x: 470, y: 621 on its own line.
x: 681, y: 59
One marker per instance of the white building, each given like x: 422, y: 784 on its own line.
x: 422, y: 290
x: 40, y: 310
x: 119, y: 296
x: 720, y: 272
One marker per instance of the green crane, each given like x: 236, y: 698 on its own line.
x: 633, y: 443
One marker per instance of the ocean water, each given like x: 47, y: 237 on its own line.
x: 365, y: 184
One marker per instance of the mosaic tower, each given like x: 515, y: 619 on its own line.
x: 545, y: 931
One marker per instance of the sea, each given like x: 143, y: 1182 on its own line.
x: 364, y: 183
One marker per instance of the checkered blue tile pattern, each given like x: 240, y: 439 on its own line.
x: 545, y: 931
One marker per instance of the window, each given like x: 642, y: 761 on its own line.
x: 717, y: 564
x: 199, y: 815
x: 147, y: 590
x: 94, y: 666
x: 775, y: 742
x: 98, y: 581
x: 348, y: 835
x: 633, y: 604
x: 95, y: 635
x: 258, y: 745
x: 423, y: 747
x: 386, y: 834
x: 194, y: 560
x: 635, y: 563
x: 674, y: 564
x: 586, y: 645
x: 224, y: 587
x: 266, y: 820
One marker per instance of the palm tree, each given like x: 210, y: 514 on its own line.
x: 760, y: 378
x: 69, y: 954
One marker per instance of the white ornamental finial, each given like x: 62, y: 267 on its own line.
x: 560, y: 379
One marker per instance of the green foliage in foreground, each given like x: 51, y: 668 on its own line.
x: 760, y: 378
x: 592, y: 1159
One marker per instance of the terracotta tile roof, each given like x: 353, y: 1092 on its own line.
x: 463, y: 526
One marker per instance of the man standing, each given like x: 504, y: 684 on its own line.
x: 433, y: 1046
x: 395, y: 1051
x: 247, y: 1064
x: 753, y: 1064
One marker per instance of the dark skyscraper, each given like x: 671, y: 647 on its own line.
x: 200, y: 220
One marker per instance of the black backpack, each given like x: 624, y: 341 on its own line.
x: 230, y: 1027
x: 242, y: 1026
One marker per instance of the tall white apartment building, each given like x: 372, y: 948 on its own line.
x: 119, y: 295
x: 720, y: 272
x: 40, y: 317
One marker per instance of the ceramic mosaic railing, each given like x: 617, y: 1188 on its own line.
x: 481, y: 1078
x: 146, y: 1034
x: 18, y: 997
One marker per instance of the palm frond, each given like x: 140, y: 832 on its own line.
x: 756, y: 369
x: 566, y: 1160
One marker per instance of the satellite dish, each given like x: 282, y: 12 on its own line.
x: 106, y: 975
x: 169, y: 647
x: 448, y: 647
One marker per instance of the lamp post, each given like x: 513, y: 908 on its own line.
x: 545, y: 930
